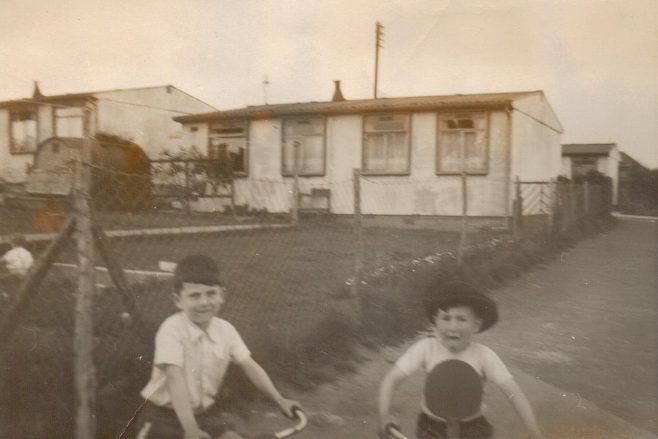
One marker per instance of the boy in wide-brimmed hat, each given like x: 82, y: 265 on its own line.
x: 457, y: 312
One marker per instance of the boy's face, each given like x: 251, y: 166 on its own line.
x: 200, y: 302
x: 455, y: 326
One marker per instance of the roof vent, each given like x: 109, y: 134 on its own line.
x: 338, y: 95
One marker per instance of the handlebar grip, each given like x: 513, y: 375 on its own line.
x: 394, y: 431
x: 299, y: 414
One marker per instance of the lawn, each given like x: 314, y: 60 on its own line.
x: 288, y: 298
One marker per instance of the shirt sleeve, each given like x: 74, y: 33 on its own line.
x: 494, y: 368
x: 413, y: 359
x: 169, y: 347
x: 238, y: 349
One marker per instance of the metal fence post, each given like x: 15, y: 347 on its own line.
x: 85, y: 376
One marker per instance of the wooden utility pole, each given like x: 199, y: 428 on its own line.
x: 379, y: 39
x: 83, y: 342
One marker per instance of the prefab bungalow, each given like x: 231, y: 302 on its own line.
x: 142, y: 115
x: 411, y: 152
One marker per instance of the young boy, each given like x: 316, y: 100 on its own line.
x: 193, y: 349
x: 456, y: 314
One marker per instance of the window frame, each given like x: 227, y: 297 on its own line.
x: 245, y: 124
x: 408, y: 131
x: 285, y: 120
x: 487, y: 141
x: 23, y: 111
x: 55, y: 117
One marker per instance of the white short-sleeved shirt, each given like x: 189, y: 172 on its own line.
x: 204, y: 357
x: 18, y: 261
x: 428, y: 352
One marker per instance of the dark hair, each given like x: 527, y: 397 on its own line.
x: 198, y: 269
x: 458, y: 293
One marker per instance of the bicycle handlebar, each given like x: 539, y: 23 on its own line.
x: 303, y: 421
x: 394, y: 432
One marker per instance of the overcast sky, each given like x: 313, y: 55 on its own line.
x: 596, y: 60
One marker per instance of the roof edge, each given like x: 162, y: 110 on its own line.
x: 344, y: 107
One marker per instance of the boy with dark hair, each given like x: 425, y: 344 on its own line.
x: 457, y: 313
x: 193, y: 349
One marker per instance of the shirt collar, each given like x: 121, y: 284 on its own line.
x: 196, y: 332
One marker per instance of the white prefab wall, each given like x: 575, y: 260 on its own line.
x: 145, y: 116
x: 422, y: 192
x: 537, y: 152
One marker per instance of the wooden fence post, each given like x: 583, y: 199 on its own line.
x: 187, y: 187
x: 572, y: 205
x: 358, y: 231
x: 518, y: 209
x: 295, y: 183
x: 586, y: 195
x: 550, y: 210
x: 564, y: 211
x: 83, y: 343
x: 464, y: 225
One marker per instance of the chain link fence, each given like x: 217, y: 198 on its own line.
x: 291, y: 285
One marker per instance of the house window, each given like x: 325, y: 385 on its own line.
x: 68, y: 122
x: 227, y: 143
x: 307, y: 135
x: 386, y: 144
x: 462, y: 143
x: 23, y: 133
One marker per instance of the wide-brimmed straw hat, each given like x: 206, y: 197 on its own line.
x: 458, y: 293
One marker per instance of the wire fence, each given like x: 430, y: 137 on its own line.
x: 284, y: 278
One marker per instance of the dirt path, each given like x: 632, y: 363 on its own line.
x: 586, y: 323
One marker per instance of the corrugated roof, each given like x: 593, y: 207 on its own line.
x: 415, y: 103
x: 587, y: 148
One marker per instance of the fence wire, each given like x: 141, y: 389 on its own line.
x: 283, y: 281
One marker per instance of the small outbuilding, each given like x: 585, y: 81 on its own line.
x: 580, y: 158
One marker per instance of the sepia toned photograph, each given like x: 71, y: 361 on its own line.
x: 329, y: 219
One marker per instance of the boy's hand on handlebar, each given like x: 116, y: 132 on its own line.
x: 288, y: 407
